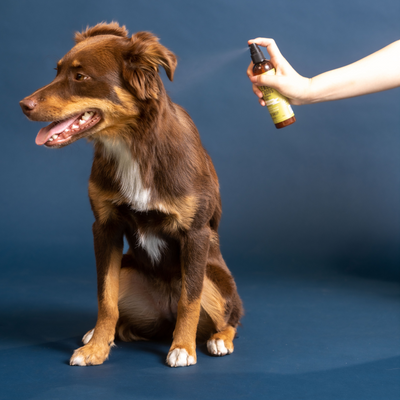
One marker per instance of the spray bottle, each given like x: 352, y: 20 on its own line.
x: 278, y: 105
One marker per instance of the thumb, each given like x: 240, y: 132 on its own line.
x: 264, y: 80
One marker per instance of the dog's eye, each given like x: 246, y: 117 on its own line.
x: 80, y: 77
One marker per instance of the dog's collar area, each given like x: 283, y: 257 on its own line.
x: 60, y: 132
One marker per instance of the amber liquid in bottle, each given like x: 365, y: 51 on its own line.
x: 262, y: 66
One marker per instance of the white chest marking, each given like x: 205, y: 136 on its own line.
x: 128, y: 174
x: 153, y: 246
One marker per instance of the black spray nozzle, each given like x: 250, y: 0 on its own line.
x: 256, y: 54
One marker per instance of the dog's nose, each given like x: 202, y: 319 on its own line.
x: 27, y: 105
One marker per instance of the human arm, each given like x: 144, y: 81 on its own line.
x: 376, y: 72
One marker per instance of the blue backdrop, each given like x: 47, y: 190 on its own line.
x: 328, y: 186
x: 324, y: 190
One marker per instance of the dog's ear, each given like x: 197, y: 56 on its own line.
x: 142, y: 59
x: 102, y: 29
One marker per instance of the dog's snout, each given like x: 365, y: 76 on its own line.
x: 27, y: 105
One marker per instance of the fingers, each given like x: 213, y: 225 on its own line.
x: 264, y: 80
x: 286, y: 80
x: 258, y: 93
x: 249, y: 71
x: 270, y: 45
x: 256, y: 90
x: 261, y: 41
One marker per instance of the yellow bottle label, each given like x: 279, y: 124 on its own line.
x: 278, y: 105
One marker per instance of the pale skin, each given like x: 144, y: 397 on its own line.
x: 374, y: 73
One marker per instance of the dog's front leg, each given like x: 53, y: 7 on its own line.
x: 194, y: 253
x: 108, y: 245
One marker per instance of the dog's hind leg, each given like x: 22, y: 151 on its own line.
x: 144, y: 309
x: 221, y: 343
x: 222, y: 303
x: 86, y: 338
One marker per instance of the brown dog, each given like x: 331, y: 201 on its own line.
x: 152, y: 182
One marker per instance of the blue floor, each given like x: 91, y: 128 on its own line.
x: 311, y: 331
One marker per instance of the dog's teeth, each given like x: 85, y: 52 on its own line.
x: 51, y: 139
x: 90, y: 113
x: 75, y: 126
x: 86, y: 116
x: 67, y: 130
x: 55, y: 136
x: 81, y: 121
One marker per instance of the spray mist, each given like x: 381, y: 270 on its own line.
x: 278, y: 105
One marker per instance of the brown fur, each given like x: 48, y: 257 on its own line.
x: 152, y: 182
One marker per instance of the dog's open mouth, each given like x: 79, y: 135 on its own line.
x: 59, y: 132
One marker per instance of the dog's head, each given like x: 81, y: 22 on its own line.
x: 103, y: 82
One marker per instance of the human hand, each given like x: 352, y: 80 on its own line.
x: 286, y: 81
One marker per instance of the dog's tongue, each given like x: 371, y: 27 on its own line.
x: 52, y: 129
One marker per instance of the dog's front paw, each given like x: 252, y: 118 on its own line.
x: 180, y: 358
x: 90, y: 354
